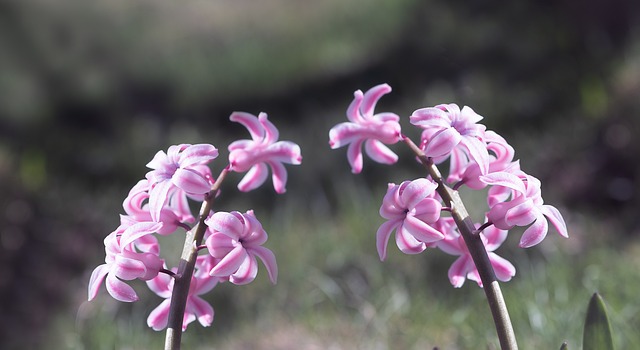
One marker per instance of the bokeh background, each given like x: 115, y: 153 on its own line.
x: 89, y: 91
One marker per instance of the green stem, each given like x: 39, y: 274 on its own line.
x: 476, y: 248
x: 187, y: 264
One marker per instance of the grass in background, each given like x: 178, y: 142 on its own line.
x: 334, y: 293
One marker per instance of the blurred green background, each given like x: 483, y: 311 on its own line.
x: 89, y: 91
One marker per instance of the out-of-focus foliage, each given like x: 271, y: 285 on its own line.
x: 90, y: 90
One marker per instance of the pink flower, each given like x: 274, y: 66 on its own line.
x: 171, y: 216
x: 464, y: 267
x: 181, y: 168
x: 526, y: 206
x: 411, y: 210
x: 236, y: 239
x: 196, y: 308
x: 469, y: 173
x: 365, y: 127
x: 447, y: 128
x: 123, y: 262
x: 263, y: 149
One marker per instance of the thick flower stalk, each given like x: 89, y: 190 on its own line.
x: 263, y: 149
x: 365, y: 127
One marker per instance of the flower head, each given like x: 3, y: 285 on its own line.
x: 263, y: 149
x: 411, y: 210
x: 364, y: 127
x: 236, y: 239
x: 124, y: 262
x: 447, y: 128
x: 525, y: 208
x: 180, y: 169
x: 464, y: 268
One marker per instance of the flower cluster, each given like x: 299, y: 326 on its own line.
x: 477, y: 158
x: 159, y: 205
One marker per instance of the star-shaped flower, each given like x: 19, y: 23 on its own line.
x: 411, y: 210
x: 236, y: 239
x: 263, y: 149
x: 365, y: 127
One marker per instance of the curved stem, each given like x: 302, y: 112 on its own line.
x: 476, y: 248
x: 185, y: 268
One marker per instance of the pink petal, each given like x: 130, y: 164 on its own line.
x: 371, y: 97
x: 137, y: 231
x: 279, y: 177
x: 120, y: 290
x: 428, y: 210
x: 226, y: 223
x: 255, y: 177
x: 442, y: 143
x: 477, y: 152
x: 383, y: 235
x: 159, y: 317
x: 494, y: 237
x: 250, y: 122
x: 522, y: 214
x: 161, y: 285
x: 158, y: 196
x: 240, y: 144
x: 128, y: 269
x: 535, y: 233
x: 504, y: 179
x: 416, y: 191
x: 197, y: 155
x: 503, y: 269
x: 451, y: 246
x: 459, y: 270
x: 353, y: 111
x: 285, y: 152
x: 407, y: 243
x: 220, y: 244
x: 269, y: 261
x: 230, y: 263
x: 271, y: 132
x: 556, y: 219
x: 354, y: 155
x: 191, y: 181
x: 344, y: 134
x: 421, y: 230
x: 430, y: 117
x: 246, y: 272
x: 158, y: 161
x: 202, y: 310
x: 97, y: 276
x: 379, y: 152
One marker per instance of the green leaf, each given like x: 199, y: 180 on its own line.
x: 597, y: 330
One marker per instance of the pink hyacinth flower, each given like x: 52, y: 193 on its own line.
x: 181, y: 168
x: 500, y: 158
x: 236, y: 239
x: 447, y: 128
x: 123, y: 262
x: 171, y: 216
x: 364, y: 127
x: 464, y: 267
x: 526, y: 206
x: 196, y: 308
x: 411, y: 210
x: 263, y: 149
